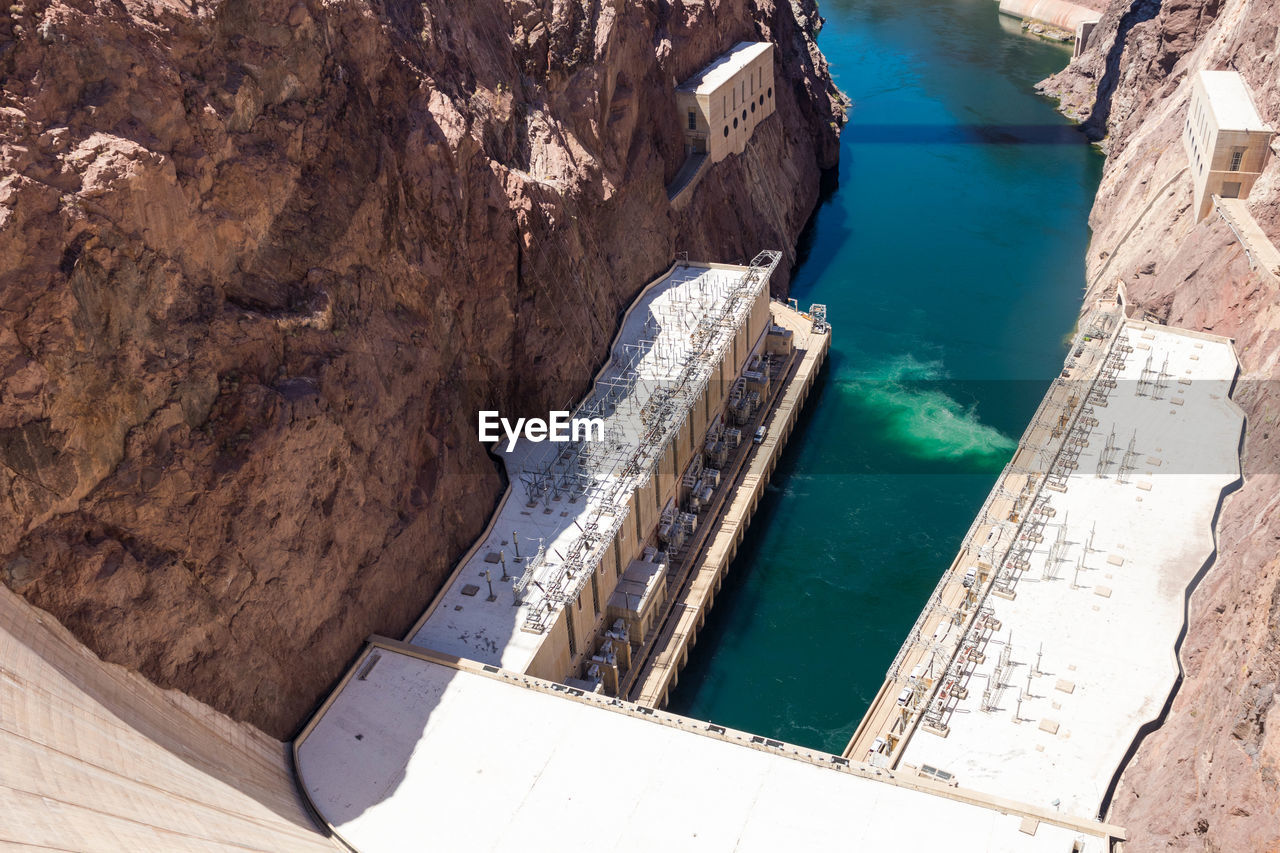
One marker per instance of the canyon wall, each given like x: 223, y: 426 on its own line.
x: 1209, y: 777
x: 261, y: 262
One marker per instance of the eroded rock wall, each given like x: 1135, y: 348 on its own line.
x: 1209, y: 778
x: 260, y: 264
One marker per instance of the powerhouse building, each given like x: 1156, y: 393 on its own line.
x: 1225, y: 138
x: 721, y: 105
x: 571, y: 576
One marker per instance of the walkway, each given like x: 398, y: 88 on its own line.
x: 688, y: 176
x: 1261, y: 252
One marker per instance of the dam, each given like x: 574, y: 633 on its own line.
x: 1006, y: 715
x: 526, y: 707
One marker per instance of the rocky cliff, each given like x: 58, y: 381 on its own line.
x: 260, y: 264
x: 1209, y: 777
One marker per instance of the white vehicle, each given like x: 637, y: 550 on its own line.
x: 905, y: 696
x: 760, y: 434
x: 970, y: 578
x: 878, y: 746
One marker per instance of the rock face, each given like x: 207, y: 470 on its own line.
x: 260, y: 264
x: 1209, y: 777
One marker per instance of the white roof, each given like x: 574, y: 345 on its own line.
x: 1229, y: 99
x: 669, y: 333
x: 1108, y: 645
x: 726, y: 65
x: 418, y: 755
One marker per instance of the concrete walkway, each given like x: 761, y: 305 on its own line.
x: 1261, y: 252
x: 687, y: 178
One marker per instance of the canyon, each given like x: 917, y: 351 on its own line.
x: 262, y: 263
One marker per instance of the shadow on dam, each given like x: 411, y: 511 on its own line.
x: 93, y: 751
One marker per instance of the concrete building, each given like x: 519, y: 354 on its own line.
x: 1080, y: 651
x: 721, y: 105
x: 417, y: 752
x: 1052, y: 639
x: 1225, y: 138
x: 572, y: 570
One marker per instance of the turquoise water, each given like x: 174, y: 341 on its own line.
x: 951, y: 261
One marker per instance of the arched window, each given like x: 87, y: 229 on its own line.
x: 735, y: 124
x: 770, y: 93
x: 726, y: 130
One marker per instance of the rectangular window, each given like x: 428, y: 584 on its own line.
x: 595, y: 593
x: 693, y: 120
x: 1231, y: 189
x: 1236, y: 157
x: 573, y: 641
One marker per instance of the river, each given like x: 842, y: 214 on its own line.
x: 951, y: 260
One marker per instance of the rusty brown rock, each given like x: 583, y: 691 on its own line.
x: 262, y: 262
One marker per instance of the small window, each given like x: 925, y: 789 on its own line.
x: 770, y: 93
x: 693, y: 120
x: 735, y: 124
x: 762, y: 100
x: 1236, y: 157
x: 753, y: 106
x: 726, y: 130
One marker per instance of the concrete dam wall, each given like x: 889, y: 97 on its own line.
x: 1058, y: 13
x: 94, y: 757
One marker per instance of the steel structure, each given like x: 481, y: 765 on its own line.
x: 644, y: 397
